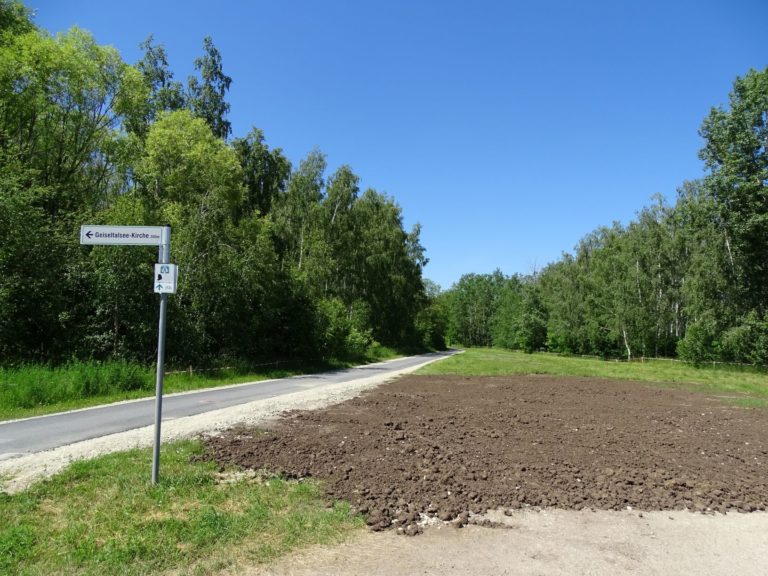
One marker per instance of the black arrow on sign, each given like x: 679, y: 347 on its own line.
x: 89, y: 234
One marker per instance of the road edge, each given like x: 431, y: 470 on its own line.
x: 21, y: 472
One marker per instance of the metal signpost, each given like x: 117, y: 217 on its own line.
x: 164, y: 283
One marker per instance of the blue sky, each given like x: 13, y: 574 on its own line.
x: 509, y: 130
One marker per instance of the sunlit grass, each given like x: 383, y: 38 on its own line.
x: 103, y: 517
x: 743, y: 381
x: 35, y: 390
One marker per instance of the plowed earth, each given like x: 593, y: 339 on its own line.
x: 450, y: 447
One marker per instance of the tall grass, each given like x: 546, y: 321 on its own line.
x: 32, y: 390
x: 30, y: 386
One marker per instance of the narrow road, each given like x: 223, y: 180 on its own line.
x: 46, y: 432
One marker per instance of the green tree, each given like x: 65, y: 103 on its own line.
x: 564, y: 292
x: 31, y: 272
x: 473, y: 307
x: 709, y: 286
x: 389, y: 262
x: 506, y: 324
x: 164, y: 93
x: 736, y: 141
x: 208, y: 92
x: 185, y: 165
x: 265, y: 171
x: 337, y: 272
x: 532, y: 331
x: 15, y: 19
x: 432, y: 319
x: 297, y: 211
x: 193, y: 181
x: 62, y: 101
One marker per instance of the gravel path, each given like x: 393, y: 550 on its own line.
x: 551, y: 543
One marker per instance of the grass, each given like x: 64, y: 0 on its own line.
x: 103, y: 517
x: 34, y: 390
x: 750, y: 384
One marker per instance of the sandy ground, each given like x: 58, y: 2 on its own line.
x: 16, y: 474
x: 553, y: 543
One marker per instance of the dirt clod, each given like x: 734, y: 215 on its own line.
x: 445, y: 447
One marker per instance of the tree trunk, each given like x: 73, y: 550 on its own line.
x: 626, y: 344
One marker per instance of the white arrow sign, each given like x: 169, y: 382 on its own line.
x: 136, y: 235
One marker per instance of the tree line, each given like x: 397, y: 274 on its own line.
x: 276, y: 261
x: 688, y: 280
x: 283, y: 261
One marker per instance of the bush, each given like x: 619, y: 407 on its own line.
x: 357, y: 342
x: 340, y: 334
x: 746, y: 342
x: 699, y: 344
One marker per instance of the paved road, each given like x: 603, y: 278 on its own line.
x: 46, y: 432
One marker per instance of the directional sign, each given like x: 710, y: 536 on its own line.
x: 136, y: 235
x: 164, y: 282
x: 165, y: 278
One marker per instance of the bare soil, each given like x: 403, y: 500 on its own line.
x: 449, y: 448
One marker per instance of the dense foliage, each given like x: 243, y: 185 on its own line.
x: 292, y: 262
x: 275, y: 261
x: 688, y: 280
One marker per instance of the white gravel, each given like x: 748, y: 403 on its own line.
x: 17, y: 474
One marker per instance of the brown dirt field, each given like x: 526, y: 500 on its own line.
x: 450, y: 447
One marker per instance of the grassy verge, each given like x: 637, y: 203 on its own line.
x: 36, y: 390
x: 749, y: 383
x: 103, y: 517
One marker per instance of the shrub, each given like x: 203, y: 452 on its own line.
x: 747, y: 342
x: 699, y: 344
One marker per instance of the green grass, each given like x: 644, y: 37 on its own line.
x: 749, y: 383
x: 34, y: 390
x: 103, y: 517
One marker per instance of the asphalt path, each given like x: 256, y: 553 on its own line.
x: 46, y: 432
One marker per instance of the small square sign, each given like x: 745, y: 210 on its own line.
x: 165, y: 278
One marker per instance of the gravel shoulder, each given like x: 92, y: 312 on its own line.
x: 16, y: 474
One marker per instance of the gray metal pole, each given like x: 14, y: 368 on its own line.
x: 164, y: 257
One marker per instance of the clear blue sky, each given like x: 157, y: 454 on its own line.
x: 509, y: 130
